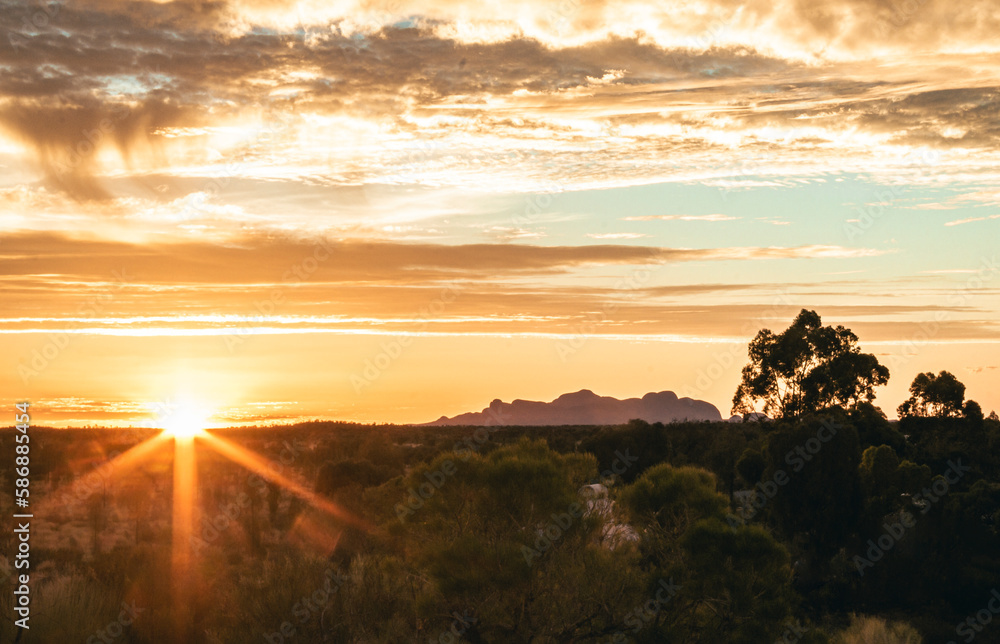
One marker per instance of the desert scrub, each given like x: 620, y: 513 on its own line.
x: 875, y: 630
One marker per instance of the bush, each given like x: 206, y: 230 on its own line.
x: 875, y: 630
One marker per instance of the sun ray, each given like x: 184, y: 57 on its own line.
x: 256, y: 464
x: 185, y: 483
x: 312, y: 530
x: 86, y: 484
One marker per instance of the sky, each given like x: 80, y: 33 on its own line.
x: 393, y: 211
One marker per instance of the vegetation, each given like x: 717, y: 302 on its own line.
x: 827, y: 524
x: 941, y: 395
x: 874, y: 630
x: 806, y: 367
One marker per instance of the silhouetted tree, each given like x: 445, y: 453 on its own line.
x: 972, y: 411
x: 930, y: 395
x: 878, y: 470
x: 807, y: 367
x: 874, y: 428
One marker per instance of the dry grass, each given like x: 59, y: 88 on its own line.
x: 875, y: 630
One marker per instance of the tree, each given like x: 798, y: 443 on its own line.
x: 673, y: 498
x: 941, y: 395
x: 972, y: 411
x: 751, y: 466
x: 885, y: 482
x: 735, y: 581
x: 740, y: 581
x: 818, y: 459
x: 878, y: 469
x: 807, y: 367
x: 506, y: 536
x: 874, y: 428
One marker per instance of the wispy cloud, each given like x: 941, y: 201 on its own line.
x: 978, y: 198
x: 616, y: 235
x: 264, y: 259
x: 713, y: 217
x: 969, y: 220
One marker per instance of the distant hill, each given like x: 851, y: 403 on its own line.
x: 587, y: 408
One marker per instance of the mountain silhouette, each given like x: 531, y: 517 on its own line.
x: 584, y: 407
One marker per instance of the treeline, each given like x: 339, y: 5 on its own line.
x: 825, y: 516
x: 827, y: 523
x: 694, y: 532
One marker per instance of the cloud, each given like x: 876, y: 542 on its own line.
x: 292, y: 285
x: 823, y: 251
x: 616, y: 235
x: 978, y: 198
x: 270, y: 259
x: 509, y: 233
x: 68, y: 138
x: 363, y: 99
x: 838, y: 27
x: 969, y: 220
x: 714, y: 217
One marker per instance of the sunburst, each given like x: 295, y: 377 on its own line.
x: 184, y: 423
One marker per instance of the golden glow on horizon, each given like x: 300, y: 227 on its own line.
x: 185, y: 420
x: 172, y: 213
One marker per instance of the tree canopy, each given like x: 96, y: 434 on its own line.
x: 941, y: 395
x: 807, y: 367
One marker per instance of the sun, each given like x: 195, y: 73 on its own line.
x: 185, y: 419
